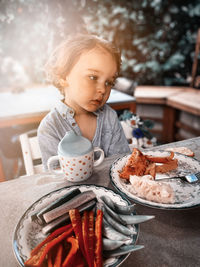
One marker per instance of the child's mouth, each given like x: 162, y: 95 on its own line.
x: 97, y: 102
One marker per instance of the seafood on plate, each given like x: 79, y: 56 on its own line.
x: 182, y: 150
x: 140, y: 164
x: 148, y: 188
x: 141, y: 169
x: 93, y: 229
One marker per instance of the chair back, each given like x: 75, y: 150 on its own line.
x: 31, y: 152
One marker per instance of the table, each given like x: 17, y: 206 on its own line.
x: 172, y: 239
x: 187, y: 100
x: 31, y: 105
x: 119, y: 100
x: 168, y: 103
x: 146, y: 94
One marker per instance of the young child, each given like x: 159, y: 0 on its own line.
x: 84, y: 69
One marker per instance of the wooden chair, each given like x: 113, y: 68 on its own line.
x: 31, y: 152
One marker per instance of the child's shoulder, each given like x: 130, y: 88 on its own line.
x: 109, y: 116
x: 108, y: 110
x: 49, y: 120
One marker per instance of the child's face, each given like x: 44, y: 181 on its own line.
x: 90, y: 81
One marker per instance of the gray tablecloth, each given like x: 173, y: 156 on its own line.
x: 171, y: 239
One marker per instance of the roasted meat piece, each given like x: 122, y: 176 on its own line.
x: 136, y: 165
x: 139, y: 164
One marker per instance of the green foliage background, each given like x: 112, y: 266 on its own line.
x: 157, y: 38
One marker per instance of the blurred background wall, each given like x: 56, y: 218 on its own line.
x: 157, y: 37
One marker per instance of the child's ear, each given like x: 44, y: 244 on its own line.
x: 63, y: 83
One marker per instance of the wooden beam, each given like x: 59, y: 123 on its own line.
x: 195, y: 61
x: 187, y: 128
x: 128, y: 105
x: 20, y: 120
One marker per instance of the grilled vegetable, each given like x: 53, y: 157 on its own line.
x: 98, y: 239
x: 91, y: 236
x: 74, y: 203
x: 65, y: 218
x: 75, y: 218
x: 88, y: 246
x: 58, y: 257
x: 50, y: 259
x: 58, y: 202
x: 88, y: 237
x: 69, y: 260
x: 38, y: 258
x: 53, y: 235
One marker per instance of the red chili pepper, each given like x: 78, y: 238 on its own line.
x: 50, y: 237
x: 76, y: 221
x: 37, y: 259
x: 91, y: 237
x: 98, y: 239
x: 50, y: 260
x: 79, y: 260
x: 58, y: 258
x: 69, y: 260
x: 86, y: 234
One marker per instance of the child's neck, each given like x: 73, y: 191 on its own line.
x: 78, y: 111
x: 87, y: 123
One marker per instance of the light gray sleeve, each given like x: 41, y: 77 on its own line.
x: 119, y: 143
x: 48, y: 142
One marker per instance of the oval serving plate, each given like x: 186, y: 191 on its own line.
x: 28, y: 234
x: 186, y: 195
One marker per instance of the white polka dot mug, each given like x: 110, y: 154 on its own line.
x: 76, y: 157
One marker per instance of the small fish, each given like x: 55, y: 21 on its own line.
x: 112, y: 234
x: 122, y: 250
x: 109, y: 244
x: 118, y: 226
x: 135, y: 219
x: 122, y: 209
x: 114, y: 215
x: 108, y: 201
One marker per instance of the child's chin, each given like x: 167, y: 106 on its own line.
x: 93, y: 108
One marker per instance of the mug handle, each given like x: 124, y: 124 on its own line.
x: 101, y: 158
x: 49, y: 164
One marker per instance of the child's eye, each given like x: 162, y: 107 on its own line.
x: 93, y: 77
x: 109, y: 84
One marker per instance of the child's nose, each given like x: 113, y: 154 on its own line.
x: 101, y: 88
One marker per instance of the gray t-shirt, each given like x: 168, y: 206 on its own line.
x: 109, y: 134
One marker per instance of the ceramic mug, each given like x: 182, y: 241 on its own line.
x: 76, y: 158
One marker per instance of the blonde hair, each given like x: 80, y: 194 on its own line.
x: 65, y: 56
